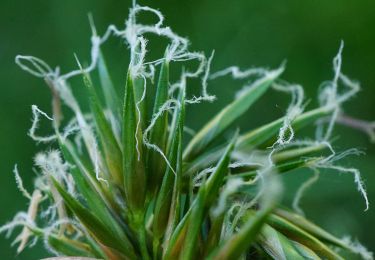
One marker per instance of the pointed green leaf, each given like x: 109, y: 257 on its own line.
x: 108, y: 238
x: 111, y: 149
x: 96, y: 198
x: 134, y: 172
x: 294, y: 232
x: 311, y: 228
x: 259, y: 136
x: 280, y: 168
x: 164, y: 196
x: 207, y: 193
x: 213, y: 238
x: 184, y: 236
x: 264, y: 133
x: 278, y: 246
x: 158, y: 134
x: 228, y: 115
x: 306, y: 252
x: 237, y: 244
x: 69, y: 247
x: 215, y: 180
x: 240, y: 242
x: 110, y: 95
x: 295, y: 153
x: 194, y: 225
x: 176, y: 211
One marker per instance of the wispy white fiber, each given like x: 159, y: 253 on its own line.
x: 330, y: 97
x: 35, y: 124
x: 358, y: 248
x: 41, y: 68
x: 286, y: 132
x: 203, y: 68
x: 168, y: 105
x: 20, y: 219
x: 19, y: 182
x: 51, y: 164
x: 25, y: 220
x: 137, y: 105
x: 237, y: 73
x: 205, y: 94
x: 357, y: 179
x: 53, y: 230
x: 328, y: 163
x: 266, y: 75
x: 96, y: 164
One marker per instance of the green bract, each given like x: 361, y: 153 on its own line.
x: 123, y: 184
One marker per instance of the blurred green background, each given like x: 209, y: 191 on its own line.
x: 242, y: 32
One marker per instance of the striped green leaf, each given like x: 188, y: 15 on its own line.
x: 97, y: 199
x: 207, y: 193
x: 264, y: 133
x: 280, y: 168
x: 213, y: 237
x: 110, y: 95
x: 277, y: 246
x: 294, y: 232
x: 158, y: 134
x: 111, y: 149
x: 236, y: 245
x: 165, y: 194
x: 134, y: 171
x: 115, y: 240
x: 228, y: 115
x: 305, y: 252
x: 176, y: 210
x: 294, y: 153
x: 255, y: 138
x: 311, y: 228
x: 70, y: 247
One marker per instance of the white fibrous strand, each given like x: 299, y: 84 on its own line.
x: 330, y: 96
x: 358, y: 248
x: 19, y: 182
x: 35, y: 124
x: 286, y: 133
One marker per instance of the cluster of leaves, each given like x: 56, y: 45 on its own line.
x: 137, y: 192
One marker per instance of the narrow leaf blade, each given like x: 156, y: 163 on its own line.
x: 158, y: 134
x: 259, y: 136
x: 134, y: 172
x: 96, y: 227
x: 228, y: 115
x: 111, y: 149
x: 294, y: 232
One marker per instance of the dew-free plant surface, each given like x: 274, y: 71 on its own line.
x: 129, y: 180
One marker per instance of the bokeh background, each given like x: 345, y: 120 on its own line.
x: 243, y: 32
